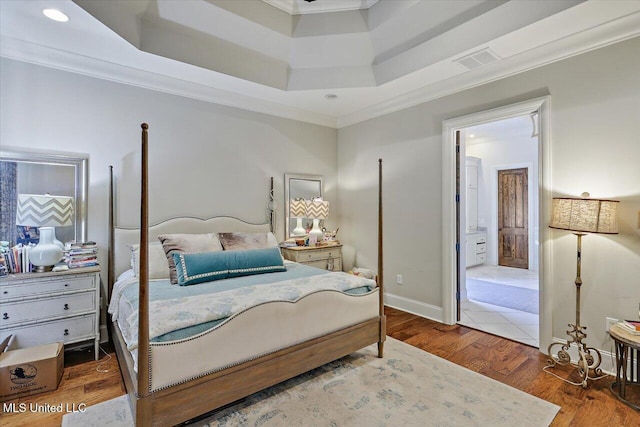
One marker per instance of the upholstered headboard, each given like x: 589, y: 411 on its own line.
x: 123, y: 237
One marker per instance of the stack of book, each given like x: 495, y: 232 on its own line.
x: 631, y: 326
x: 15, y: 259
x: 83, y: 254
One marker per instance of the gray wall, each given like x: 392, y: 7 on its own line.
x: 205, y: 159
x: 594, y: 127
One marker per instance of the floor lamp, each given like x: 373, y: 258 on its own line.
x: 581, y: 216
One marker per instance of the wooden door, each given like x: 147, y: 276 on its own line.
x: 513, y: 218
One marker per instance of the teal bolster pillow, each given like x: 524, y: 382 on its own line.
x: 201, y: 267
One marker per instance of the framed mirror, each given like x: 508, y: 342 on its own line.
x: 25, y: 173
x: 299, y: 187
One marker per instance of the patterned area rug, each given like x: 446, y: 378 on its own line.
x: 408, y: 387
x: 514, y: 297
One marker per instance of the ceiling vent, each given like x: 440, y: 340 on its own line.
x: 478, y: 59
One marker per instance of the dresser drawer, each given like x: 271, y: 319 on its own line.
x: 31, y: 310
x: 481, y: 248
x: 69, y: 330
x: 45, y: 286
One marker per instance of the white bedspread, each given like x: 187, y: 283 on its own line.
x: 177, y: 313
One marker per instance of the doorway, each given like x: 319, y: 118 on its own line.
x: 534, y: 276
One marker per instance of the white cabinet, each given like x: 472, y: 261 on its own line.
x: 471, y: 172
x: 41, y: 308
x: 476, y: 248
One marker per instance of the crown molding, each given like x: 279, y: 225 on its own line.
x: 612, y: 32
x: 292, y: 7
x: 21, y: 50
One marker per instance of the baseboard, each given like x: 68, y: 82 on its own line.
x: 608, y: 364
x: 414, y: 307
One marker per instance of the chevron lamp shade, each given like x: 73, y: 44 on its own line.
x: 298, y: 208
x: 44, y: 210
x: 317, y: 209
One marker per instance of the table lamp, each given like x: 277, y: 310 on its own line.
x: 45, y: 212
x: 317, y: 209
x: 298, y: 210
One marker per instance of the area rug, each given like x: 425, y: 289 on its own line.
x: 408, y: 387
x: 521, y: 299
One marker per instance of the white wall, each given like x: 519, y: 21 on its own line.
x: 505, y: 152
x: 594, y: 128
x: 205, y: 159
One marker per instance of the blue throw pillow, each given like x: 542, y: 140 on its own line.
x: 201, y: 267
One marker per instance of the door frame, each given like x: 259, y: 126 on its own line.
x: 449, y: 271
x: 530, y: 214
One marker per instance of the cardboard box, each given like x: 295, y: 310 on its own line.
x: 28, y: 371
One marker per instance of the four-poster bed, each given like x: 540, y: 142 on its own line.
x: 257, y: 347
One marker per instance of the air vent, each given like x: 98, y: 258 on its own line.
x: 478, y: 59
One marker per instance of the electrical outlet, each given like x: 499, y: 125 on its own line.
x: 399, y: 279
x: 610, y: 321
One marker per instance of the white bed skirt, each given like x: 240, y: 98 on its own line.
x: 256, y: 332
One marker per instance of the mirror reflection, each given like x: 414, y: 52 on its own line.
x: 300, y: 187
x: 30, y: 176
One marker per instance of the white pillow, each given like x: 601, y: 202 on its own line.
x: 158, y: 265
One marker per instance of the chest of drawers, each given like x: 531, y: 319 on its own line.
x: 41, y: 308
x: 326, y: 257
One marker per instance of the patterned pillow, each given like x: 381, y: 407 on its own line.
x: 158, y: 265
x: 201, y: 267
x: 177, y: 243
x: 245, y: 241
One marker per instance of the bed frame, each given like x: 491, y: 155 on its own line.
x: 181, y: 402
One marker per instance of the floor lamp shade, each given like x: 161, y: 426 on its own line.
x: 45, y: 212
x: 584, y: 215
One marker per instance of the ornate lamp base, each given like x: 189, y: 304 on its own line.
x: 589, y: 358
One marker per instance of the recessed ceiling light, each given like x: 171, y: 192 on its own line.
x: 331, y: 96
x: 56, y: 15
x: 472, y: 136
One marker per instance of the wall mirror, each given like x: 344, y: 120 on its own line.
x: 24, y: 172
x: 295, y: 187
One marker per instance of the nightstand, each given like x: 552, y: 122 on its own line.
x: 41, y: 308
x: 327, y: 257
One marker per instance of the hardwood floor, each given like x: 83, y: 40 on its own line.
x: 509, y: 362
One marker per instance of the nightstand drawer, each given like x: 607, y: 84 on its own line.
x: 46, y: 286
x: 31, y: 310
x: 69, y: 330
x: 331, y: 264
x: 317, y: 255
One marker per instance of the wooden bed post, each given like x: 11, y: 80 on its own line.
x: 143, y: 407
x: 383, y: 318
x: 111, y: 249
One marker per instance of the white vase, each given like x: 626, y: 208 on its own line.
x: 46, y: 253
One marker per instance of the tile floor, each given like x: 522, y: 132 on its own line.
x: 505, y: 322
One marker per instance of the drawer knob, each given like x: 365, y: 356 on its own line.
x: 66, y: 285
x: 66, y: 332
x: 5, y: 316
x: 66, y: 306
x: 5, y: 292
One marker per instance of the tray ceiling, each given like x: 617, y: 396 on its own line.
x: 382, y: 56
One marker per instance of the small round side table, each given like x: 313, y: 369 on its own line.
x: 627, y: 363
